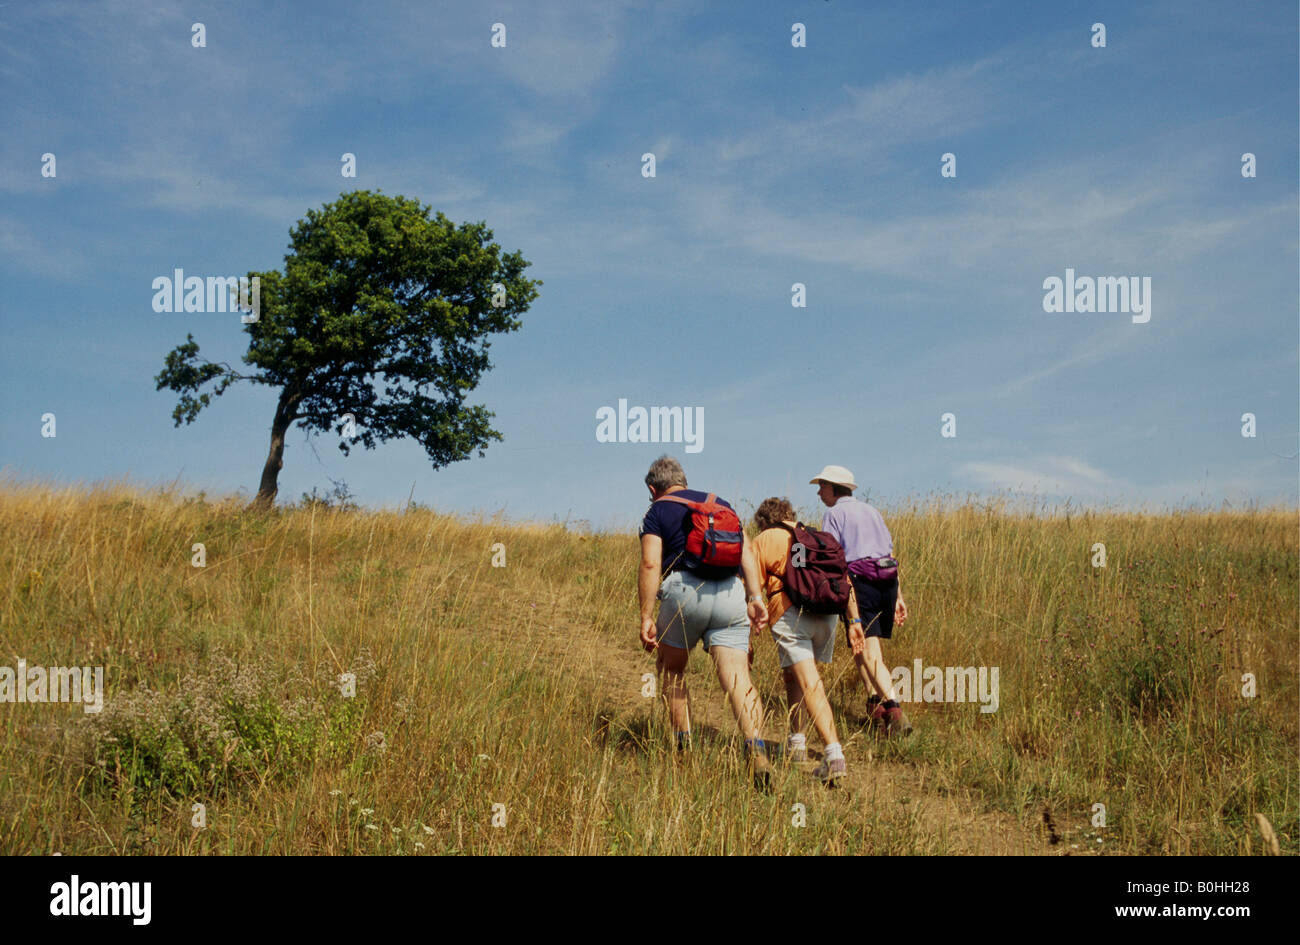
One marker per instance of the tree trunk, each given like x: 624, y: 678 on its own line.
x: 275, y: 459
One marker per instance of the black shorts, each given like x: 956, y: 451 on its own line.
x: 876, y: 600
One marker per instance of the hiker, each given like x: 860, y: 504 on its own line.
x: 868, y: 548
x: 693, y: 542
x: 804, y: 636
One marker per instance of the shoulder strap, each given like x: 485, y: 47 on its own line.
x: 676, y: 498
x: 793, y: 538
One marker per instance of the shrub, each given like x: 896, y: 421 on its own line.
x: 230, y: 725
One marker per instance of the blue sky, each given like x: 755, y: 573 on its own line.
x: 775, y: 165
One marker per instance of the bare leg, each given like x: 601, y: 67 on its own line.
x: 733, y: 673
x: 671, y: 663
x: 871, y: 667
x: 814, y: 699
x: 794, y: 699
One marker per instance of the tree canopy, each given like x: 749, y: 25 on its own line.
x: 382, y: 312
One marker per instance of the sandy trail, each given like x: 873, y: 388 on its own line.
x: 964, y: 825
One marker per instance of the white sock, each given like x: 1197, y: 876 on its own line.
x: 833, y: 752
x: 797, y: 740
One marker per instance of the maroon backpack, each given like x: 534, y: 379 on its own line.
x: 821, y: 584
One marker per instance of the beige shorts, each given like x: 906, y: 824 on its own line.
x: 804, y: 636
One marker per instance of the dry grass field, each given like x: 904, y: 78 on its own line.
x: 514, y: 694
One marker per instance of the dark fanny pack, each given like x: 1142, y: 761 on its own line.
x: 875, y: 569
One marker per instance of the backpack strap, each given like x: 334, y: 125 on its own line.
x: 677, y: 498
x: 793, y: 536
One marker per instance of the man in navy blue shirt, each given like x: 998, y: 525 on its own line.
x: 716, y: 605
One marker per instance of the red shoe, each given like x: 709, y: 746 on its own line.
x: 876, y: 715
x: 896, y: 723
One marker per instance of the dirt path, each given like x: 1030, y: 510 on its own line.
x: 967, y: 825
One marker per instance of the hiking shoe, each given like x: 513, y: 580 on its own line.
x: 760, y: 768
x: 875, y: 713
x: 896, y: 723
x: 830, y: 772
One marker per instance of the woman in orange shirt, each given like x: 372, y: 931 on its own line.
x: 803, y: 639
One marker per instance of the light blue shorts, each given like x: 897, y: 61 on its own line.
x: 692, y: 608
x: 804, y: 636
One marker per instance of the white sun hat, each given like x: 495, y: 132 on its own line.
x: 837, y: 475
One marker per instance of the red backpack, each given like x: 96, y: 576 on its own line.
x: 821, y: 584
x: 715, y: 539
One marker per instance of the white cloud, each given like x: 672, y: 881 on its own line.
x: 565, y: 52
x: 1048, y: 476
x: 1066, y: 477
x: 554, y: 52
x: 1103, y: 344
x: 20, y: 246
x: 862, y: 124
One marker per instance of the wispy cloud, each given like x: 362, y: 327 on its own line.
x: 1050, y: 476
x: 1096, y: 348
x: 862, y: 124
x: 22, y: 248
x: 1011, y: 223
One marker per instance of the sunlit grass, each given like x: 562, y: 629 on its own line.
x: 521, y: 686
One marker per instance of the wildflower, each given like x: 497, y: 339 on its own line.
x: 366, y: 811
x: 419, y: 846
x: 371, y: 827
x: 397, y: 830
x: 335, y: 793
x: 429, y: 831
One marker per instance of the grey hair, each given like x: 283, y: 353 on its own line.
x: 665, y: 472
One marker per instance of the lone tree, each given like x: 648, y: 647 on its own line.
x: 375, y: 292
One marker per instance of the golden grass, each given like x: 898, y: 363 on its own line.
x: 521, y: 686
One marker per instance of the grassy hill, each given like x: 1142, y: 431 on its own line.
x: 514, y: 694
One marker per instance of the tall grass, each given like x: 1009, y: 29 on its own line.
x: 514, y: 694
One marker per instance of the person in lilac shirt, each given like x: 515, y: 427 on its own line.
x: 861, y: 531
